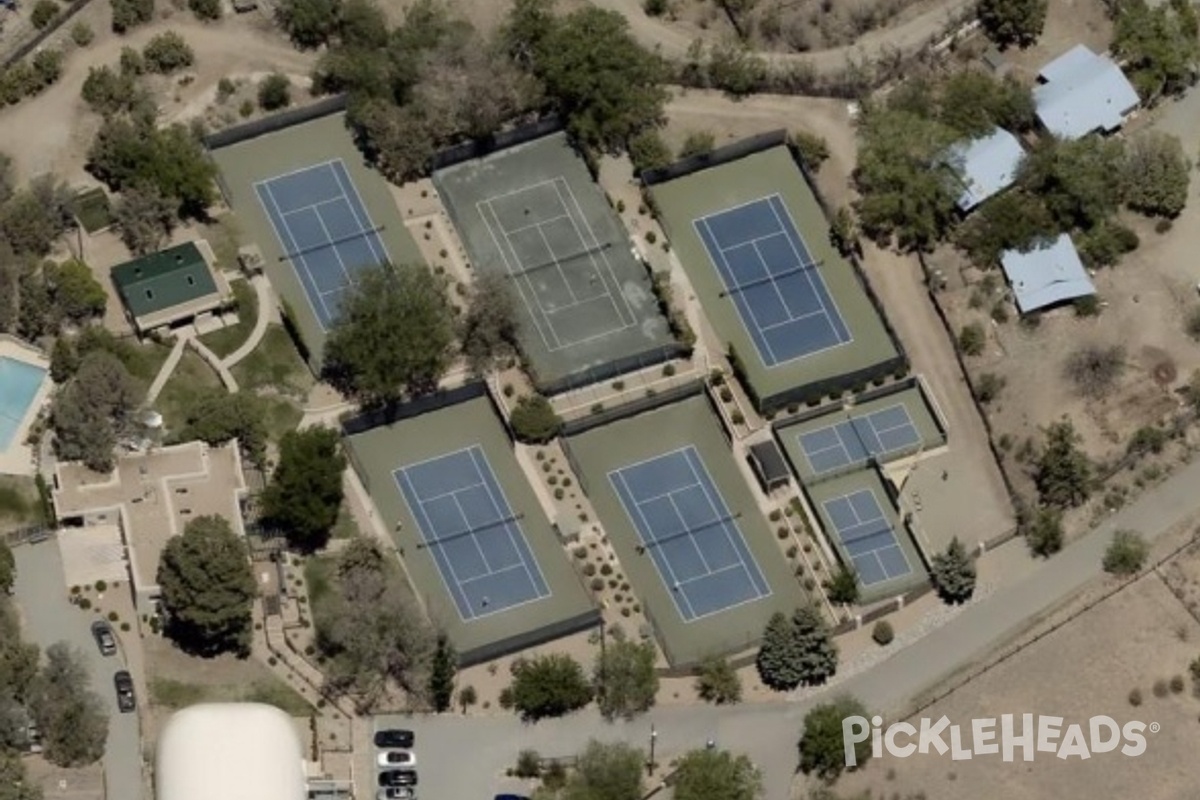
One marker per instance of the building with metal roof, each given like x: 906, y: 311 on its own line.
x: 171, y: 286
x: 1081, y: 93
x: 1046, y: 275
x: 985, y: 166
x: 232, y: 751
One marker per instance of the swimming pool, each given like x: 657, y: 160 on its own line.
x: 19, y: 384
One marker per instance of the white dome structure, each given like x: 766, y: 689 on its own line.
x: 230, y: 751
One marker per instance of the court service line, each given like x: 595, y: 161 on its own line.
x: 401, y: 474
x: 290, y: 246
x: 558, y: 265
x: 367, y: 230
x: 739, y: 300
x: 533, y: 584
x: 516, y: 278
x: 674, y: 588
x: 473, y: 535
x: 338, y: 253
x: 612, y: 281
x: 727, y: 524
x: 299, y: 171
x: 690, y: 534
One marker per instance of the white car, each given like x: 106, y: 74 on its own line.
x: 397, y: 758
x: 395, y: 793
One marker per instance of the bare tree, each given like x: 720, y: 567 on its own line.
x: 1095, y: 369
x: 489, y: 328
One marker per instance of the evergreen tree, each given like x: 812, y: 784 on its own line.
x: 441, y: 677
x: 954, y: 573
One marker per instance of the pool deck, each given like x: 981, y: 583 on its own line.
x: 18, y: 458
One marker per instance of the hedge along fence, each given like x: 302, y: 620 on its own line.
x: 276, y: 122
x: 478, y: 148
x: 45, y: 33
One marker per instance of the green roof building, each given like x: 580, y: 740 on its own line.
x: 172, y: 286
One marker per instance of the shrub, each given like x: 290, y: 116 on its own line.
x: 988, y: 387
x: 651, y: 237
x: 737, y: 418
x: 168, y: 52
x: 125, y: 628
x: 589, y: 569
x: 81, y: 34
x: 1095, y: 369
x: 606, y: 569
x: 726, y: 394
x: 882, y: 633
x: 101, y: 586
x: 127, y: 14
x: 529, y: 764
x: 205, y: 9
x: 113, y: 616
x: 1161, y: 688
x: 246, y: 108
x: 558, y: 493
x: 1177, y: 684
x: 655, y: 8
x: 1087, y: 306
x: 534, y: 420
x: 971, y: 339
x: 44, y: 12
x: 597, y: 584
x: 1135, y: 697
x: 668, y: 370
x: 274, y: 92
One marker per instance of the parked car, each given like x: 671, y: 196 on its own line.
x: 395, y: 738
x: 398, y: 777
x: 123, y: 682
x: 397, y: 758
x: 395, y: 793
x: 511, y: 797
x: 106, y: 640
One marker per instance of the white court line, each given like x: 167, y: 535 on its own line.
x: 539, y: 224
x: 516, y: 278
x: 367, y: 230
x: 558, y: 267
x: 301, y: 170
x: 461, y: 595
x: 648, y: 500
x: 313, y: 206
x: 451, y: 493
x: 674, y: 587
x: 774, y: 285
x: 507, y: 528
x: 603, y: 255
x: 336, y: 252
x: 435, y: 459
x: 690, y: 534
x: 467, y: 533
x: 740, y: 302
x: 726, y: 523
x: 264, y: 187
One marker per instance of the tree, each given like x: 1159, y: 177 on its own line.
x: 812, y: 149
x: 362, y: 24
x: 34, y: 217
x: 128, y: 14
x: 842, y: 586
x: 1103, y: 245
x: 606, y: 771
x: 168, y: 52
x: 1126, y: 553
x: 1013, y: 22
x: 796, y: 651
x: 15, y: 783
x: 843, y: 233
x: 526, y: 29
x: 972, y: 339
x: 1158, y: 46
x: 624, y: 676
x: 393, y: 336
x: 371, y: 629
x: 1157, y: 174
x: 1044, y: 534
x: 441, y: 676
x: 8, y: 568
x: 718, y: 682
x: 207, y: 588
x: 549, y: 686
x: 135, y: 152
x: 1063, y: 474
x: 92, y: 410
x: 275, y: 92
x: 216, y: 417
x: 1014, y: 220
x: 309, y: 23
x: 1095, y: 369
x: 647, y: 151
x: 44, y: 12
x: 1081, y: 182
x: 305, y: 493
x: 205, y: 9
x: 110, y: 92
x: 489, y: 327
x: 534, y: 420
x: 144, y: 218
x: 71, y: 718
x: 697, y: 143
x: 77, y: 295
x: 973, y: 103
x: 708, y: 774
x: 822, y: 748
x: 953, y: 573
x: 602, y: 81
x: 400, y: 141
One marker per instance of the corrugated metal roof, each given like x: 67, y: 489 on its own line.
x: 1082, y: 93
x: 985, y: 166
x: 1046, y: 275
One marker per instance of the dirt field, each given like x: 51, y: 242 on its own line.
x: 1146, y: 636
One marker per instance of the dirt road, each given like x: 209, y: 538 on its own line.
x: 673, y: 42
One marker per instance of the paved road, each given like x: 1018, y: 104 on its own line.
x: 48, y: 618
x: 768, y: 732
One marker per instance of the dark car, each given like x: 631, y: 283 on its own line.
x: 123, y: 682
x: 398, y: 777
x: 102, y: 632
x: 395, y: 738
x: 511, y: 797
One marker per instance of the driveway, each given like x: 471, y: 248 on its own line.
x: 768, y: 732
x: 48, y: 618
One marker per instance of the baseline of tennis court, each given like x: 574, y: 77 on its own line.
x: 689, y: 532
x: 773, y: 279
x: 867, y: 536
x: 472, y: 532
x: 324, y: 230
x: 877, y: 434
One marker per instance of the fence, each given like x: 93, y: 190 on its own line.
x: 721, y: 155
x: 649, y: 381
x: 45, y: 33
x: 276, y: 122
x: 478, y: 148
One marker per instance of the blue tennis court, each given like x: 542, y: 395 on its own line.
x: 324, y: 230
x: 472, y: 533
x: 773, y: 280
x: 867, y: 537
x: 687, y: 529
x: 874, y: 435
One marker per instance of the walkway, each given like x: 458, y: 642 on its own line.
x: 262, y: 289
x: 767, y: 732
x: 168, y: 367
x: 227, y: 379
